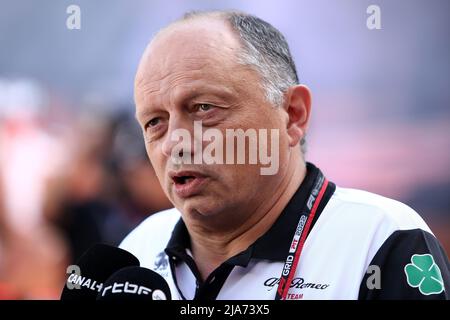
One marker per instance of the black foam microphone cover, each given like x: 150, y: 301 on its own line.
x: 95, y: 266
x: 135, y: 284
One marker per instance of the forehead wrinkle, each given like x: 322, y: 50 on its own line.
x: 152, y: 74
x: 159, y: 88
x: 189, y: 74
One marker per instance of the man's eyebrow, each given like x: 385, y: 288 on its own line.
x: 221, y: 92
x: 139, y: 115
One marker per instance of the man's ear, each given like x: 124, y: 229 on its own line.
x: 298, y: 108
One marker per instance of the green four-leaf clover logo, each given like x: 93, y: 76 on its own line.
x: 424, y: 273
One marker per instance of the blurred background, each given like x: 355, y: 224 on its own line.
x: 73, y: 169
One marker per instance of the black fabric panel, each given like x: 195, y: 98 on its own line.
x: 392, y: 257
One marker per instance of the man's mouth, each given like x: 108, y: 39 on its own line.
x: 187, y: 183
x: 183, y: 179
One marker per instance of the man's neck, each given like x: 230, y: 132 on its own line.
x: 211, y: 250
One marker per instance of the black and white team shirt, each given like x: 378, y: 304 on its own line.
x: 360, y: 246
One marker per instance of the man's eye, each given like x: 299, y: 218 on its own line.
x: 153, y: 122
x: 204, y: 107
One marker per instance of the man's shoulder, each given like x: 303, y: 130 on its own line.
x: 151, y: 236
x: 371, y: 207
x: 389, y: 236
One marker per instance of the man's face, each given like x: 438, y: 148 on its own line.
x: 190, y: 73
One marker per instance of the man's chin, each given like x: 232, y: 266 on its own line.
x: 199, y: 207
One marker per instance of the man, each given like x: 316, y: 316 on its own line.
x: 236, y: 233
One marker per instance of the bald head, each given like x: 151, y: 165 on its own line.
x: 262, y: 47
x: 199, y: 42
x: 204, y: 20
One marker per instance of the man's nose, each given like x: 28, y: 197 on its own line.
x: 178, y: 139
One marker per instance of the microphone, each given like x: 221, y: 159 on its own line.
x: 92, y: 269
x: 135, y: 284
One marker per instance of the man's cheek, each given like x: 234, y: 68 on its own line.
x: 161, y: 177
